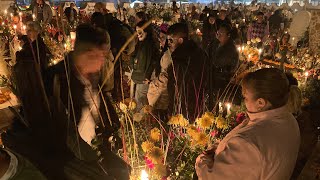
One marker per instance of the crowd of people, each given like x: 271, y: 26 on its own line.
x: 171, y: 73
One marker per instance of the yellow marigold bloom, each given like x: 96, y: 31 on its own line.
x: 161, y: 170
x: 202, y: 139
x: 123, y: 107
x: 178, y: 120
x: 206, y: 120
x: 192, y: 131
x: 155, y: 134
x: 147, y: 146
x: 156, y: 155
x: 132, y: 105
x: 221, y: 123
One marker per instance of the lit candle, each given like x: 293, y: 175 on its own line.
x: 5, y: 12
x: 65, y: 46
x: 220, y: 108
x: 260, y: 52
x: 306, y: 74
x: 11, y: 14
x: 239, y: 49
x: 244, y: 20
x: 33, y: 17
x: 237, y: 25
x: 2, y: 23
x: 249, y: 57
x: 144, y: 175
x: 15, y: 29
x: 228, y: 108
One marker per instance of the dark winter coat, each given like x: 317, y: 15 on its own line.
x: 187, y: 79
x: 67, y: 12
x: 145, y: 61
x: 209, y: 34
x: 36, y: 51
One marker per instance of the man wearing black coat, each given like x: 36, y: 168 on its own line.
x: 187, y: 74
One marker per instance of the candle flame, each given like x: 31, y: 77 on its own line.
x: 144, y: 175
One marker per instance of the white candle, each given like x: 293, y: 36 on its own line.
x: 144, y: 175
x: 15, y: 29
x: 306, y: 74
x: 260, y: 51
x: 33, y: 17
x: 228, y: 108
x: 220, y: 108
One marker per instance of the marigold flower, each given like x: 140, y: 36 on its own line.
x: 206, y: 120
x: 123, y: 107
x: 221, y: 123
x: 192, y: 131
x: 202, y: 139
x: 155, y: 134
x: 156, y: 155
x: 178, y: 120
x: 147, y: 146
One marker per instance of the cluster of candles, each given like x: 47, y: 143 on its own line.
x: 241, y: 49
x: 228, y: 105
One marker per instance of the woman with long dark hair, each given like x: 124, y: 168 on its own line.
x: 144, y: 62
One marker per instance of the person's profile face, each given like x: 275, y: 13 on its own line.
x: 141, y: 34
x: 173, y: 42
x: 222, y: 35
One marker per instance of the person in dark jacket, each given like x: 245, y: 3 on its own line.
x: 209, y: 31
x: 275, y: 21
x: 187, y: 74
x: 71, y: 13
x: 34, y: 48
x: 223, y: 19
x: 43, y: 12
x: 224, y: 60
x: 91, y: 113
x: 144, y: 62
